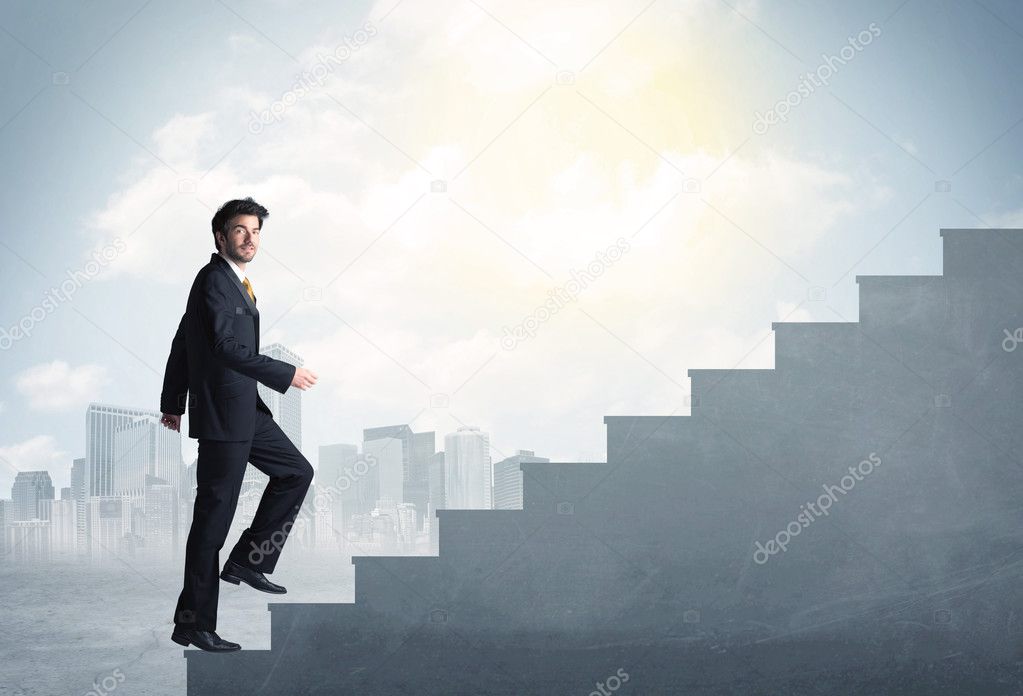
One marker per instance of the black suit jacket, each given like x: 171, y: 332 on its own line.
x: 215, y: 356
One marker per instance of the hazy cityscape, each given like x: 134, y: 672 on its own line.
x: 131, y: 493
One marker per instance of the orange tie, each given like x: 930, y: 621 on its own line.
x: 248, y: 286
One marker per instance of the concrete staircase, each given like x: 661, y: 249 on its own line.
x: 911, y: 583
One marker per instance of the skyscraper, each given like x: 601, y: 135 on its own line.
x: 468, y: 479
x: 29, y: 488
x: 61, y: 516
x: 508, y: 480
x: 437, y: 484
x: 161, y: 515
x: 78, y: 478
x: 386, y: 453
x: 80, y: 493
x: 287, y: 407
x: 416, y: 450
x: 143, y: 448
x: 417, y: 481
x: 109, y: 526
x: 6, y: 517
x: 436, y: 498
x: 101, y: 422
x: 344, y: 486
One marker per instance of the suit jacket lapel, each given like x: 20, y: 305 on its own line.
x: 227, y: 270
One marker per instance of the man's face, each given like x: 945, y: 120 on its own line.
x: 242, y: 238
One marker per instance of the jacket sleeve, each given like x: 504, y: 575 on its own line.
x: 175, y: 375
x: 219, y: 324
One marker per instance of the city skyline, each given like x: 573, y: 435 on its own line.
x: 133, y: 491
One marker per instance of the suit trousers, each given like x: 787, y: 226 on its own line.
x: 219, y: 473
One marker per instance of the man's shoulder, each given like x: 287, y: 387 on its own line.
x: 209, y: 277
x: 210, y: 273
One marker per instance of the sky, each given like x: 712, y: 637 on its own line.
x: 521, y: 216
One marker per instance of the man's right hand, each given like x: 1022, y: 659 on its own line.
x: 172, y: 421
x: 303, y: 378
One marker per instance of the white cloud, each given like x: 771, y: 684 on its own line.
x: 428, y: 291
x: 791, y: 312
x: 56, y: 386
x: 37, y: 453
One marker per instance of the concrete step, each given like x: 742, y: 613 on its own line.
x: 556, y: 487
x: 243, y: 672
x: 895, y: 300
x: 981, y: 253
x: 716, y: 391
x: 628, y: 436
x: 813, y: 345
x: 398, y: 584
x: 461, y: 528
x: 328, y: 621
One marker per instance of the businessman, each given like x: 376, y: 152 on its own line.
x: 212, y: 370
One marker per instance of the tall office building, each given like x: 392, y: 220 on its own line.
x: 345, y: 487
x: 80, y: 494
x: 28, y: 540
x: 30, y: 487
x: 468, y: 481
x: 102, y: 421
x: 287, y: 407
x: 385, y: 455
x: 144, y: 448
x: 78, y: 478
x: 416, y: 450
x: 109, y: 525
x: 161, y: 515
x: 406, y: 527
x: 508, y: 480
x: 61, y: 516
x: 437, y: 485
x: 417, y: 482
x: 6, y: 517
x: 435, y: 500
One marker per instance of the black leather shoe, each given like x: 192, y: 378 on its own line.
x: 204, y: 640
x: 235, y: 573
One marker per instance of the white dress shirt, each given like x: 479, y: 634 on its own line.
x: 237, y: 271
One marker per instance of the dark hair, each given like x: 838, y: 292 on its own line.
x: 229, y: 210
